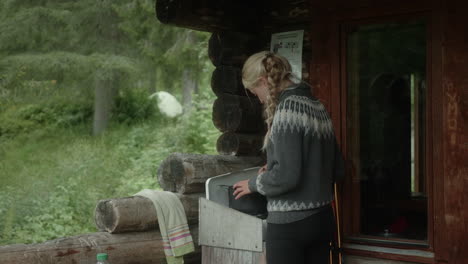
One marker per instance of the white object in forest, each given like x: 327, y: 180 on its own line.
x: 168, y: 104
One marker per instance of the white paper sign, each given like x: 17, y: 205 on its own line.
x: 289, y: 45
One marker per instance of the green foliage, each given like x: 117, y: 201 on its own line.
x: 53, y: 54
x: 56, y: 214
x: 24, y: 118
x: 53, y: 177
x: 10, y: 127
x: 58, y: 113
x: 64, y: 67
x: 133, y: 105
x: 198, y: 134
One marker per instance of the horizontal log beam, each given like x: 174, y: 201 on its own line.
x: 233, y: 48
x: 228, y: 80
x: 136, y: 247
x: 233, y: 15
x: 137, y: 213
x: 187, y: 173
x: 238, y: 114
x: 281, y: 13
x: 237, y: 144
x: 210, y: 15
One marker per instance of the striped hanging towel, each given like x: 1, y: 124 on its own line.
x: 172, y: 220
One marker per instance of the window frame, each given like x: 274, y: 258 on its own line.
x: 349, y: 189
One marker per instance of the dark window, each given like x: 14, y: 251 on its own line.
x: 386, y: 98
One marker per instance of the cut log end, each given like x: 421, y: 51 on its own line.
x: 137, y: 213
x: 230, y: 143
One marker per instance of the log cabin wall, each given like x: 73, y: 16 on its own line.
x: 324, y: 23
x: 236, y: 112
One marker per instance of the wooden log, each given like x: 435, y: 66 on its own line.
x: 210, y: 15
x: 228, y: 80
x: 237, y: 144
x: 136, y: 247
x: 187, y: 173
x: 233, y: 48
x: 238, y: 114
x: 137, y: 213
x: 281, y: 13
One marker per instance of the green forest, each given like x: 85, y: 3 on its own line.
x: 77, y: 123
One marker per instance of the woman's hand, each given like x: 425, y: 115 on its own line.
x: 262, y: 169
x: 241, y: 188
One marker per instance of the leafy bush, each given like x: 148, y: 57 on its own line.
x: 57, y: 213
x: 52, y: 179
x: 60, y: 113
x: 10, y: 127
x: 197, y: 133
x: 18, y: 119
x: 132, y: 106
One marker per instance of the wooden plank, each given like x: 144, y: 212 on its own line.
x: 435, y: 150
x: 212, y: 255
x: 368, y: 260
x: 227, y: 228
x: 207, y: 254
x: 396, y: 251
x: 455, y: 134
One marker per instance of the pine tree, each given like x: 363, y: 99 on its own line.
x: 95, y: 48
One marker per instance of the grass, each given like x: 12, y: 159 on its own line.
x: 52, y: 177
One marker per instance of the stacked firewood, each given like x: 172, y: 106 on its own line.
x: 183, y: 174
x: 236, y: 112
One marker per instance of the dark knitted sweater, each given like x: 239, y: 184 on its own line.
x: 303, y: 159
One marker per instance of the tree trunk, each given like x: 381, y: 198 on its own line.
x: 238, y: 114
x: 230, y: 143
x: 187, y: 173
x: 136, y: 247
x: 105, y: 91
x: 153, y: 80
x: 188, y: 83
x: 137, y: 213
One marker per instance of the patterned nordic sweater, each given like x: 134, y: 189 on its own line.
x: 303, y: 159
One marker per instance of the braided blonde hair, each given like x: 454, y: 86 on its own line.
x: 277, y: 71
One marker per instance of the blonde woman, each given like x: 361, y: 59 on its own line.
x: 303, y: 161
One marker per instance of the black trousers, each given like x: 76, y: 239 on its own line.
x: 302, y: 242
